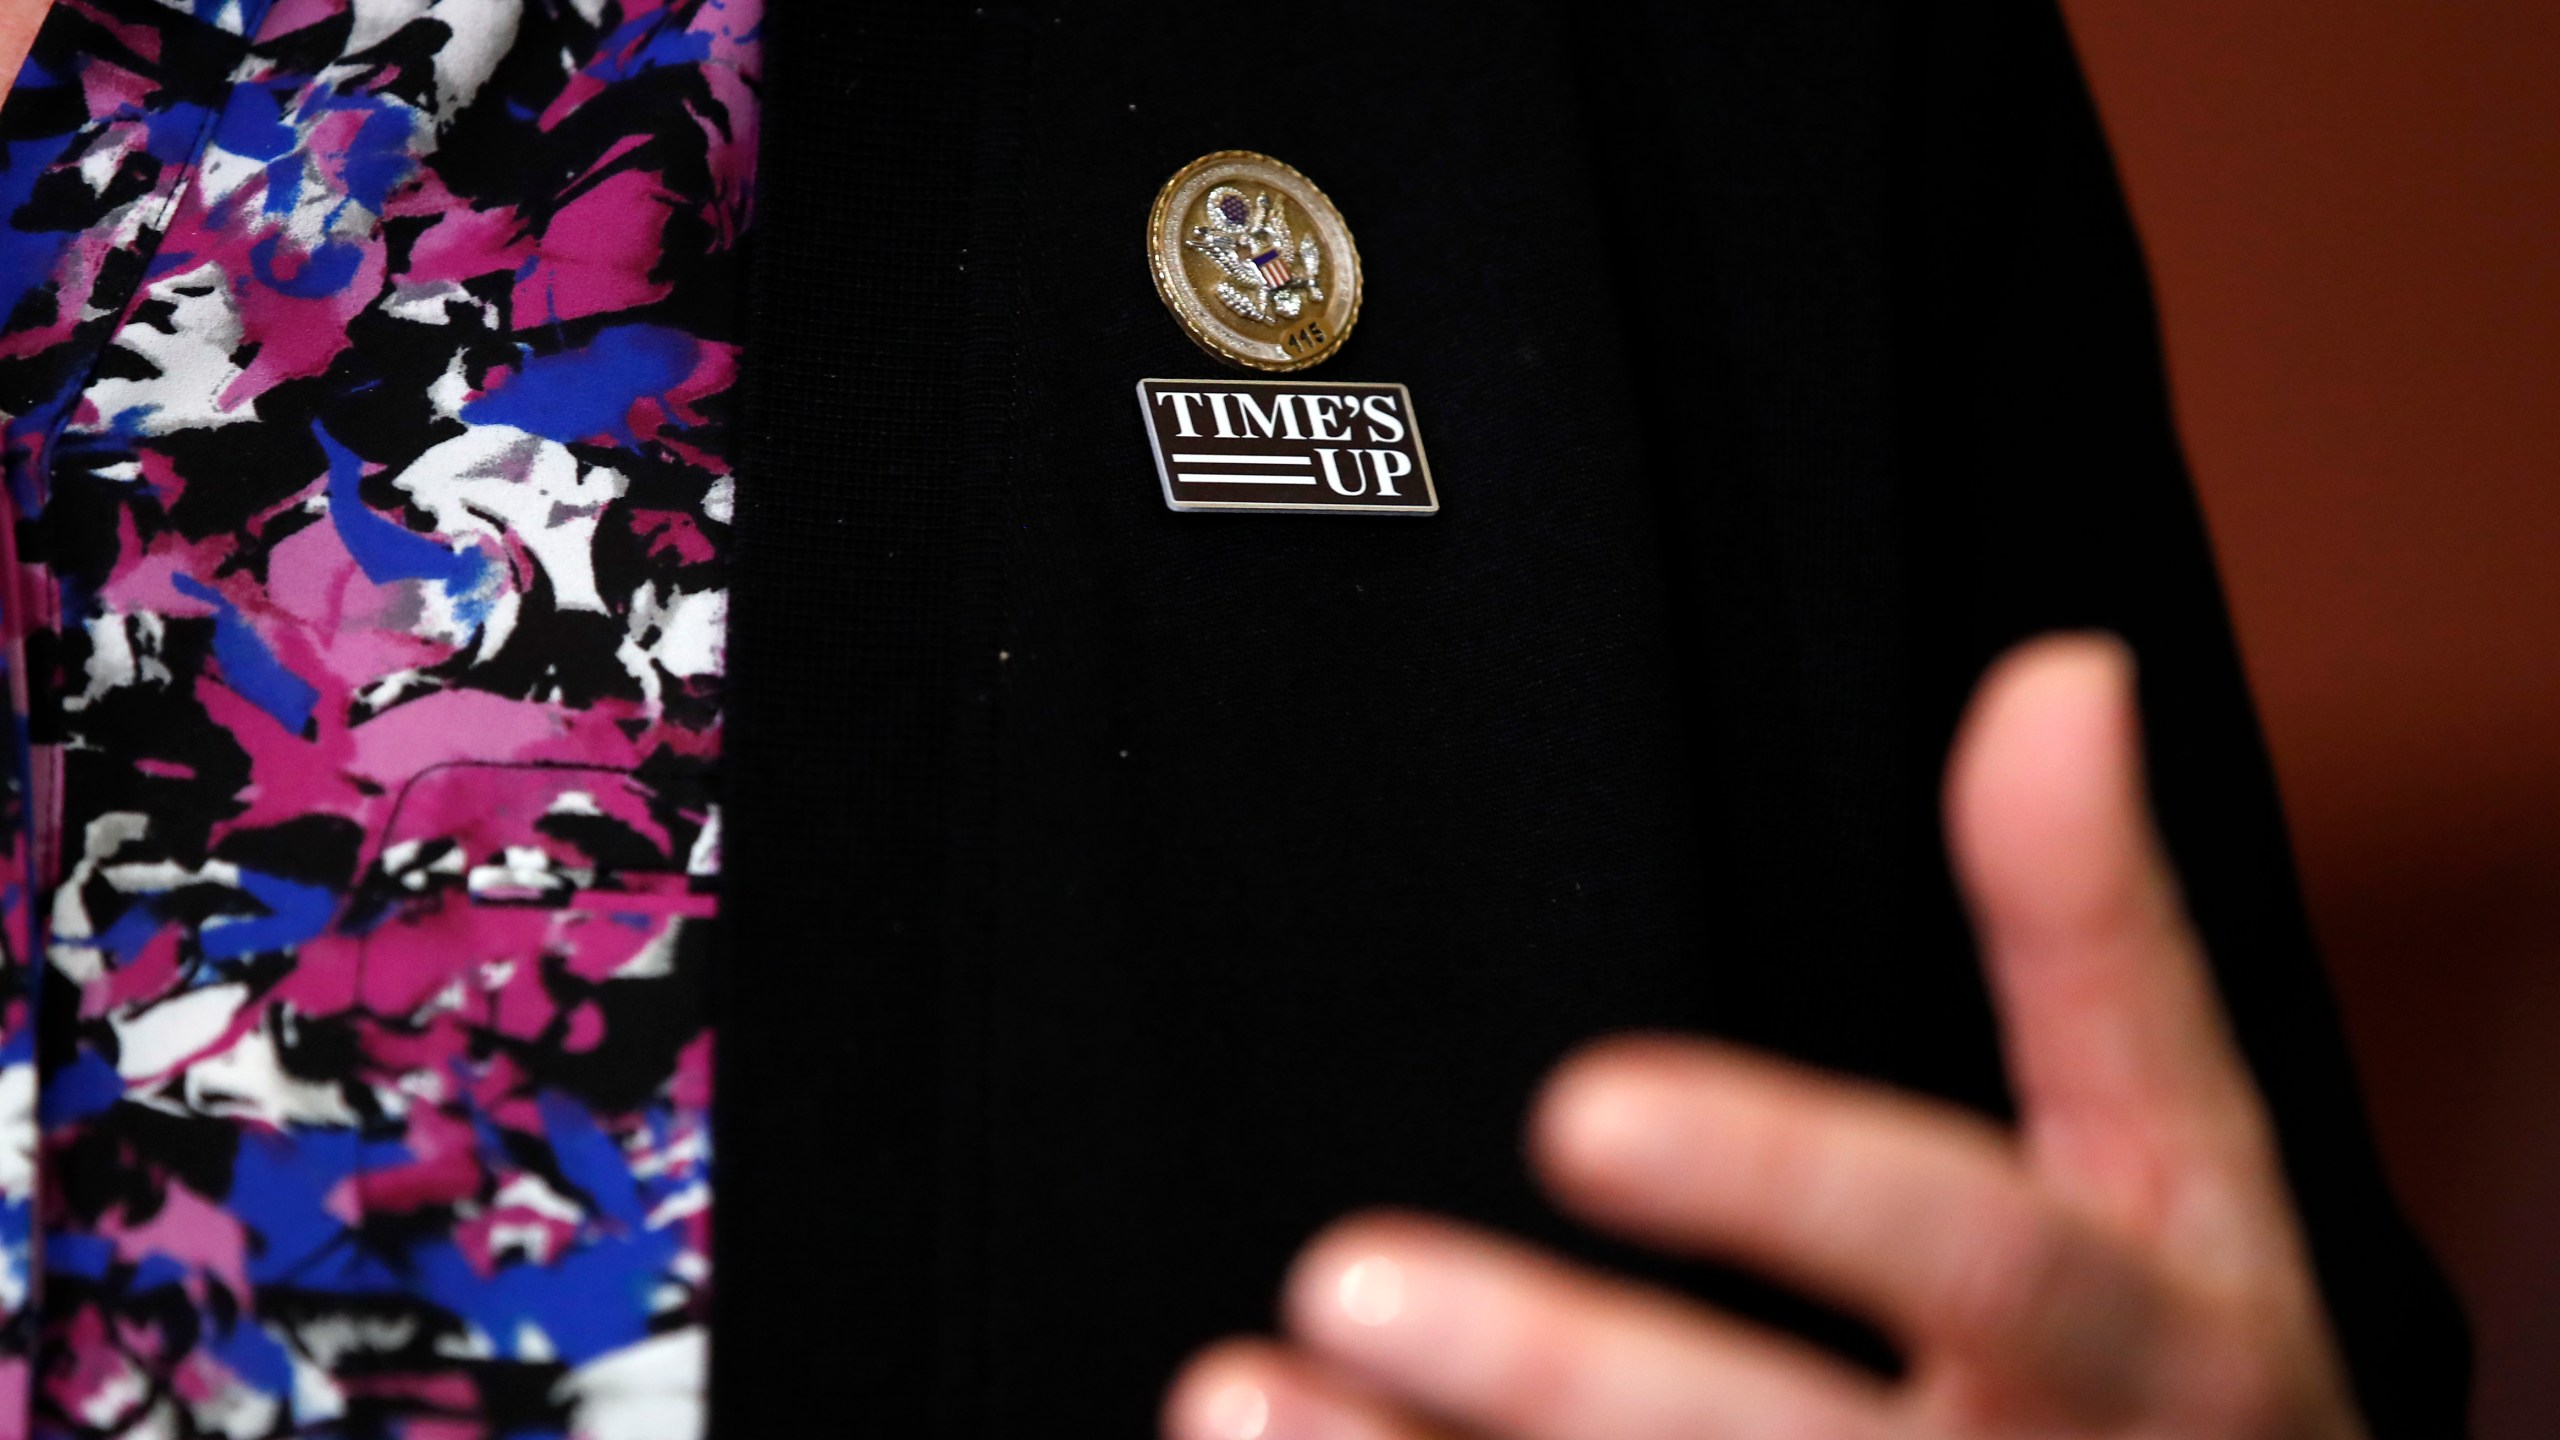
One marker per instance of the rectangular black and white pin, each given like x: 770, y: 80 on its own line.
x: 1287, y: 445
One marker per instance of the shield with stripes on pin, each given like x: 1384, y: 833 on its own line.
x: 1274, y: 267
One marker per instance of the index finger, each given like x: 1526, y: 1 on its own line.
x: 2132, y: 1094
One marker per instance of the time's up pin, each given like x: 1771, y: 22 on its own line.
x: 1257, y: 266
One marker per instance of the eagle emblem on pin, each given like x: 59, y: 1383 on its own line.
x: 1250, y: 241
x: 1254, y: 261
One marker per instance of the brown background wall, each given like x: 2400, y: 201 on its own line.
x: 2353, y: 213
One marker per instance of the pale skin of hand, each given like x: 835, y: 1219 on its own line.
x: 18, y: 22
x: 2125, y: 1264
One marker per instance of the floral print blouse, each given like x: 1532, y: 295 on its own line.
x: 367, y: 396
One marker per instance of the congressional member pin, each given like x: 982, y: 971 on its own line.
x: 1287, y: 445
x: 1254, y: 261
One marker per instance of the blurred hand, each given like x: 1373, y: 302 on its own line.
x: 2126, y: 1265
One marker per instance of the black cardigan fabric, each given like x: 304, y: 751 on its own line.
x: 1117, y: 895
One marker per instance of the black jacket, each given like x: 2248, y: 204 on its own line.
x: 1117, y: 895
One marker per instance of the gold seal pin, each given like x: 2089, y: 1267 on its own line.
x: 1254, y: 261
